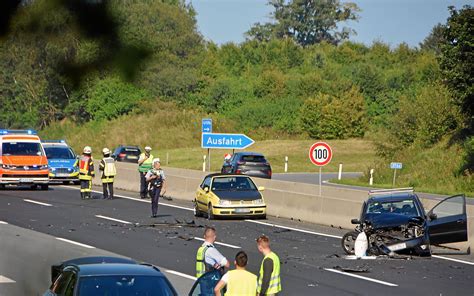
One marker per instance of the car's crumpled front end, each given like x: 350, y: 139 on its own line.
x: 409, y: 237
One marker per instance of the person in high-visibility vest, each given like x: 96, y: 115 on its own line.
x: 269, y: 282
x: 145, y: 163
x: 239, y: 282
x: 208, y: 257
x: 86, y: 172
x: 107, y: 166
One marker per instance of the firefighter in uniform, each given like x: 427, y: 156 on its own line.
x: 269, y: 282
x: 107, y: 166
x: 86, y: 172
x: 145, y: 163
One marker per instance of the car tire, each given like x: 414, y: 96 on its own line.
x: 45, y: 187
x: 66, y: 182
x: 348, y: 241
x: 2, y: 186
x: 210, y: 214
x: 197, y: 213
x: 77, y: 182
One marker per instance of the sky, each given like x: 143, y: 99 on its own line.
x: 390, y: 21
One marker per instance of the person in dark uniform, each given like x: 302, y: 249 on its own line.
x: 157, y: 179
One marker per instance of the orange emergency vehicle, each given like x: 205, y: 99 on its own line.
x: 22, y: 159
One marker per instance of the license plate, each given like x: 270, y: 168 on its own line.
x: 397, y: 247
x: 132, y: 157
x: 62, y: 175
x: 26, y: 180
x: 240, y: 211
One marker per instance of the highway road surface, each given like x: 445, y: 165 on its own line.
x: 39, y: 228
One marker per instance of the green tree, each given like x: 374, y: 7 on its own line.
x: 434, y: 40
x: 307, y: 21
x: 457, y: 60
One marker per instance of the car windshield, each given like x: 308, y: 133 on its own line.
x: 22, y: 148
x: 131, y: 151
x: 233, y: 184
x: 253, y: 158
x: 119, y: 285
x: 59, y: 153
x: 405, y: 207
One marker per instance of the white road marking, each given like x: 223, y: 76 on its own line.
x: 38, y: 202
x: 113, y: 219
x: 295, y: 229
x: 180, y: 274
x: 5, y: 280
x: 452, y: 259
x: 268, y: 224
x: 218, y: 243
x: 3, y: 222
x: 362, y: 277
x: 75, y: 243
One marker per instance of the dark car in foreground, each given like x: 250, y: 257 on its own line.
x: 248, y: 163
x: 91, y: 276
x: 396, y: 222
x: 126, y: 153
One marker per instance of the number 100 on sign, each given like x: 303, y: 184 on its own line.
x: 320, y: 154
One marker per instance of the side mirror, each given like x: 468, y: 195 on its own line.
x: 432, y: 216
x: 355, y: 221
x: 206, y: 189
x: 261, y: 188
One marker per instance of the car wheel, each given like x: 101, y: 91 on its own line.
x: 348, y: 242
x: 2, y: 186
x: 66, y: 182
x: 44, y: 187
x: 210, y: 214
x: 197, y: 213
x: 77, y: 182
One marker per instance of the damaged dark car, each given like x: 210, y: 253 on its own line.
x: 395, y: 221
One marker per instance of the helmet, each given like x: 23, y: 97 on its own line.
x: 87, y: 150
x: 156, y: 160
x: 106, y: 151
x: 227, y: 156
x: 147, y: 148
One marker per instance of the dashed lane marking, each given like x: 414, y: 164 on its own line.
x: 113, y: 219
x: 361, y: 277
x: 181, y: 274
x: 295, y: 229
x: 3, y: 222
x: 5, y: 280
x: 38, y: 202
x: 75, y: 243
x: 218, y: 243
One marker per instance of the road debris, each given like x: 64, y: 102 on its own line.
x: 352, y: 269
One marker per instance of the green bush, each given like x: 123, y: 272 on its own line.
x: 329, y: 117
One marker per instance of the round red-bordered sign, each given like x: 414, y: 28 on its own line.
x: 320, y: 153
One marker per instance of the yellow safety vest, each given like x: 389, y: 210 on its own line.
x: 109, y: 170
x: 201, y: 260
x: 241, y: 283
x: 147, y: 164
x: 275, y: 283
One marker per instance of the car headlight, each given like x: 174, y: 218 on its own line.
x: 7, y: 166
x: 43, y: 167
x: 52, y: 169
x: 225, y: 202
x: 258, y: 201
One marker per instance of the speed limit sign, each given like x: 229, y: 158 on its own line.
x: 320, y: 154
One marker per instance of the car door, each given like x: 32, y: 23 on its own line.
x: 204, y: 286
x: 447, y: 221
x: 201, y: 196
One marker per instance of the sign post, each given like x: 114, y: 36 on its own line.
x: 320, y: 155
x: 395, y: 166
x: 206, y: 127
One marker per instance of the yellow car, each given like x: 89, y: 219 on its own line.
x: 224, y: 195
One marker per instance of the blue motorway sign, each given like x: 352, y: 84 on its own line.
x: 396, y: 165
x: 225, y: 141
x: 207, y: 125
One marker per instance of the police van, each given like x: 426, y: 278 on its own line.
x: 62, y: 161
x: 22, y: 159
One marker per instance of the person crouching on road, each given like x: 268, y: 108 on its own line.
x: 269, y: 282
x: 239, y: 282
x: 86, y: 172
x: 107, y: 166
x: 157, y: 180
x: 145, y: 163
